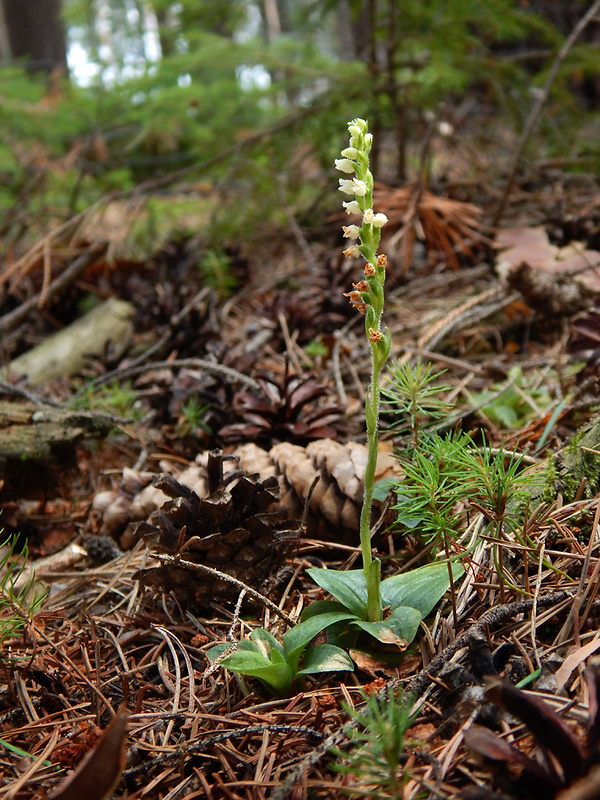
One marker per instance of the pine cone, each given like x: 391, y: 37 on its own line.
x: 239, y: 529
x: 290, y: 409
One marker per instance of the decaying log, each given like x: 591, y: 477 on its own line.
x: 37, y: 447
x: 65, y: 353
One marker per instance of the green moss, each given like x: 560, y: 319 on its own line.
x: 565, y: 471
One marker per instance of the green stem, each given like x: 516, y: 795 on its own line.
x: 371, y: 568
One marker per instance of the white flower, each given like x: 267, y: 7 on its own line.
x: 368, y: 216
x: 344, y: 165
x: 351, y: 231
x: 350, y: 152
x: 354, y: 132
x: 379, y: 220
x: 352, y: 206
x: 360, y: 187
x: 368, y: 142
x: 347, y: 187
x: 352, y: 251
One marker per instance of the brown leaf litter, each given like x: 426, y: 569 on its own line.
x: 103, y: 639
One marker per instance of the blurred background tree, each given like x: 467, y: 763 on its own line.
x: 237, y: 108
x: 34, y: 32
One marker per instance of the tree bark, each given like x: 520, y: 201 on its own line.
x: 35, y: 32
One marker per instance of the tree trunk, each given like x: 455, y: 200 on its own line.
x: 34, y: 31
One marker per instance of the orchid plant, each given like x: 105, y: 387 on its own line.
x: 360, y: 595
x: 362, y: 590
x: 367, y: 296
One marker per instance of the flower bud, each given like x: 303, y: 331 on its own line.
x: 368, y: 142
x: 359, y: 123
x: 368, y: 216
x: 350, y: 152
x: 379, y: 220
x: 355, y: 133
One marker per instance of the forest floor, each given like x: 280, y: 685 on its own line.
x: 256, y: 351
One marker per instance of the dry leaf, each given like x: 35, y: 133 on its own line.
x: 551, y: 279
x: 99, y: 773
x: 573, y: 660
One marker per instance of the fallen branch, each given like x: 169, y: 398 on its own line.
x: 180, y: 563
x: 66, y: 278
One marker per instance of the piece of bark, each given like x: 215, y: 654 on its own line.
x: 37, y: 448
x: 65, y: 352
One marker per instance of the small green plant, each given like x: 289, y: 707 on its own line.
x: 18, y: 606
x: 445, y: 472
x: 279, y: 665
x: 517, y: 404
x: 193, y: 417
x: 434, y: 482
x: 215, y: 267
x: 498, y: 485
x: 316, y: 348
x: 411, y: 392
x: 374, y: 761
x: 120, y: 400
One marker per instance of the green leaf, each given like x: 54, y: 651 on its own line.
x: 399, y: 629
x: 296, y: 639
x: 247, y: 661
x: 213, y: 653
x: 266, y: 642
x: 278, y: 676
x: 382, y: 489
x: 421, y: 588
x: 326, y: 658
x: 321, y: 607
x: 349, y: 587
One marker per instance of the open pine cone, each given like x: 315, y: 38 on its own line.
x: 293, y: 408
x: 237, y: 529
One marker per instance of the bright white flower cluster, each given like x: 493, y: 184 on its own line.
x: 355, y: 159
x: 366, y: 295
